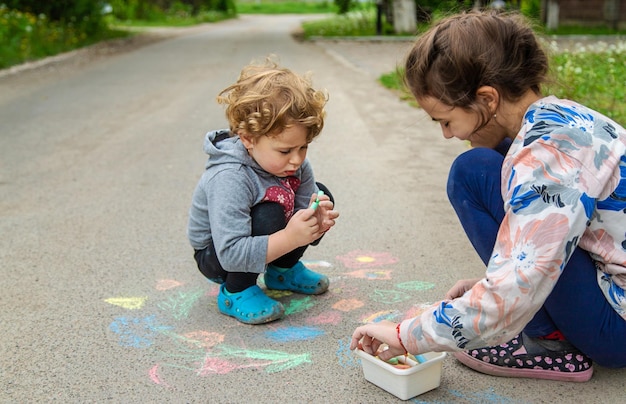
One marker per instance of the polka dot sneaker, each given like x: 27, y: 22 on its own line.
x: 528, y: 357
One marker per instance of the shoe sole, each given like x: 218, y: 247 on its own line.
x: 301, y: 291
x: 283, y: 285
x: 493, y: 370
x: 254, y: 321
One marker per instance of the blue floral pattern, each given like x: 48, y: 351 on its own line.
x: 563, y: 185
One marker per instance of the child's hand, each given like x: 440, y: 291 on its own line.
x: 324, y: 212
x: 303, y: 227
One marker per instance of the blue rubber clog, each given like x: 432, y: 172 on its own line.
x: 251, y: 306
x: 298, y: 279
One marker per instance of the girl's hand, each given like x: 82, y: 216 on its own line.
x: 460, y: 287
x: 371, y: 337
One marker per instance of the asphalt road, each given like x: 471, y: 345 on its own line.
x: 101, y: 300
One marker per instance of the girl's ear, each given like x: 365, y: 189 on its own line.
x: 488, y: 96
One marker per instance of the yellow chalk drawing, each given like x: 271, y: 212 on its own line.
x: 130, y: 303
x: 277, y: 294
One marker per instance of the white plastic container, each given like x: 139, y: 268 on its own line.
x: 403, y: 383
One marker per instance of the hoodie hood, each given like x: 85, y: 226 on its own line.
x: 223, y: 148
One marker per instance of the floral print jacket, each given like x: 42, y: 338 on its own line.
x: 563, y: 185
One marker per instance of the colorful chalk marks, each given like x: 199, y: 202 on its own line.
x: 180, y: 304
x: 361, y: 259
x: 204, y: 352
x: 415, y: 285
x: 288, y: 334
x: 224, y: 359
x: 137, y: 332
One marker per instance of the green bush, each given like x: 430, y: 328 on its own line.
x: 353, y: 23
x: 160, y: 10
x: 135, y: 10
x: 26, y: 36
x: 86, y: 15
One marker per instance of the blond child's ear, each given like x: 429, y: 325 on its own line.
x: 247, y: 140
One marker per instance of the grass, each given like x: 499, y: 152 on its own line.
x: 25, y: 37
x: 354, y: 23
x: 285, y: 7
x: 174, y: 18
x: 577, y: 30
x: 593, y: 76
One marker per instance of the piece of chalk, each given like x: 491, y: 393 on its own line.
x: 315, y: 204
x: 393, y: 361
x: 417, y: 358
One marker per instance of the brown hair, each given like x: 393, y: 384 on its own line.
x: 461, y: 53
x: 266, y: 99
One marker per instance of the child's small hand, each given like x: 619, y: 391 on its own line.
x: 324, y: 212
x: 303, y: 227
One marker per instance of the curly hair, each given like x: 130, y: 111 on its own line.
x: 464, y: 52
x: 267, y: 99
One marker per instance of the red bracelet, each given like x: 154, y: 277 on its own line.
x: 400, y: 339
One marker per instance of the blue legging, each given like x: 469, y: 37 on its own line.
x: 576, y: 306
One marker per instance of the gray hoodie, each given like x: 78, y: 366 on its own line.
x: 231, y: 185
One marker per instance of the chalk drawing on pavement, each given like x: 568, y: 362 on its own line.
x: 137, y: 332
x: 390, y: 315
x: 130, y: 303
x: 389, y: 296
x: 288, y: 334
x: 206, y: 353
x: 371, y: 274
x: 416, y: 285
x: 165, y: 284
x: 180, y: 304
x: 348, y: 305
x: 361, y: 259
